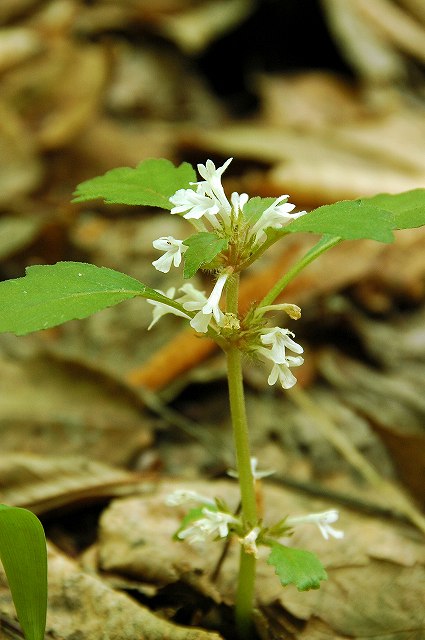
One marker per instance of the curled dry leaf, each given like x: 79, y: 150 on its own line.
x: 12, y: 9
x: 17, y: 45
x: 45, y: 484
x: 78, y: 412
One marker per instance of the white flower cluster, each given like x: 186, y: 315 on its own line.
x: 279, y: 340
x: 218, y: 524
x: 207, y: 206
x: 213, y: 524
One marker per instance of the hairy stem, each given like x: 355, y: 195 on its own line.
x: 246, y: 580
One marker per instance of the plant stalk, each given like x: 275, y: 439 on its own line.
x: 246, y: 578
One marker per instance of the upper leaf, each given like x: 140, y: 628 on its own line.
x: 151, y: 183
x: 53, y: 294
x: 24, y: 558
x: 296, y: 566
x: 349, y: 220
x: 203, y: 247
x: 408, y: 208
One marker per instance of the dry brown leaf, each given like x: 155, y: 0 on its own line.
x: 12, y: 9
x: 81, y: 605
x: 18, y: 45
x: 46, y: 484
x: 367, y: 51
x: 48, y: 407
x: 16, y: 233
x: 321, y: 167
x: 21, y: 170
x: 193, y: 30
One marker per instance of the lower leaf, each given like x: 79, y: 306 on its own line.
x: 296, y: 566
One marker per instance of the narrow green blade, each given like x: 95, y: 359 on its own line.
x: 24, y: 557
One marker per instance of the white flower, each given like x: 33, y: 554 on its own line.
x: 161, y: 308
x: 257, y: 475
x: 238, y: 201
x: 276, y: 216
x: 193, y: 299
x: 183, y: 496
x: 212, y: 186
x: 173, y: 253
x: 322, y: 520
x: 249, y: 542
x: 279, y: 340
x: 282, y: 372
x: 195, y: 205
x: 214, y: 524
x: 211, y: 308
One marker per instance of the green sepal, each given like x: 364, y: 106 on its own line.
x: 49, y: 295
x: 296, y: 566
x: 408, y: 207
x: 203, y: 248
x: 24, y: 557
x: 151, y: 183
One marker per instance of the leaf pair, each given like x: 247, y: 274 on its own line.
x: 154, y: 181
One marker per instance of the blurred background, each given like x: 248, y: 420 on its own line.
x: 322, y: 100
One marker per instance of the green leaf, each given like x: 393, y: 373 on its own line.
x: 348, y: 219
x: 53, y: 294
x: 151, y: 183
x: 296, y: 566
x: 203, y: 248
x: 24, y: 558
x: 255, y: 207
x: 408, y: 207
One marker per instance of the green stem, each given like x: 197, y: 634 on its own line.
x: 325, y: 243
x: 246, y: 579
x: 245, y: 595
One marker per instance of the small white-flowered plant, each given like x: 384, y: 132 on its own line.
x: 230, y: 234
